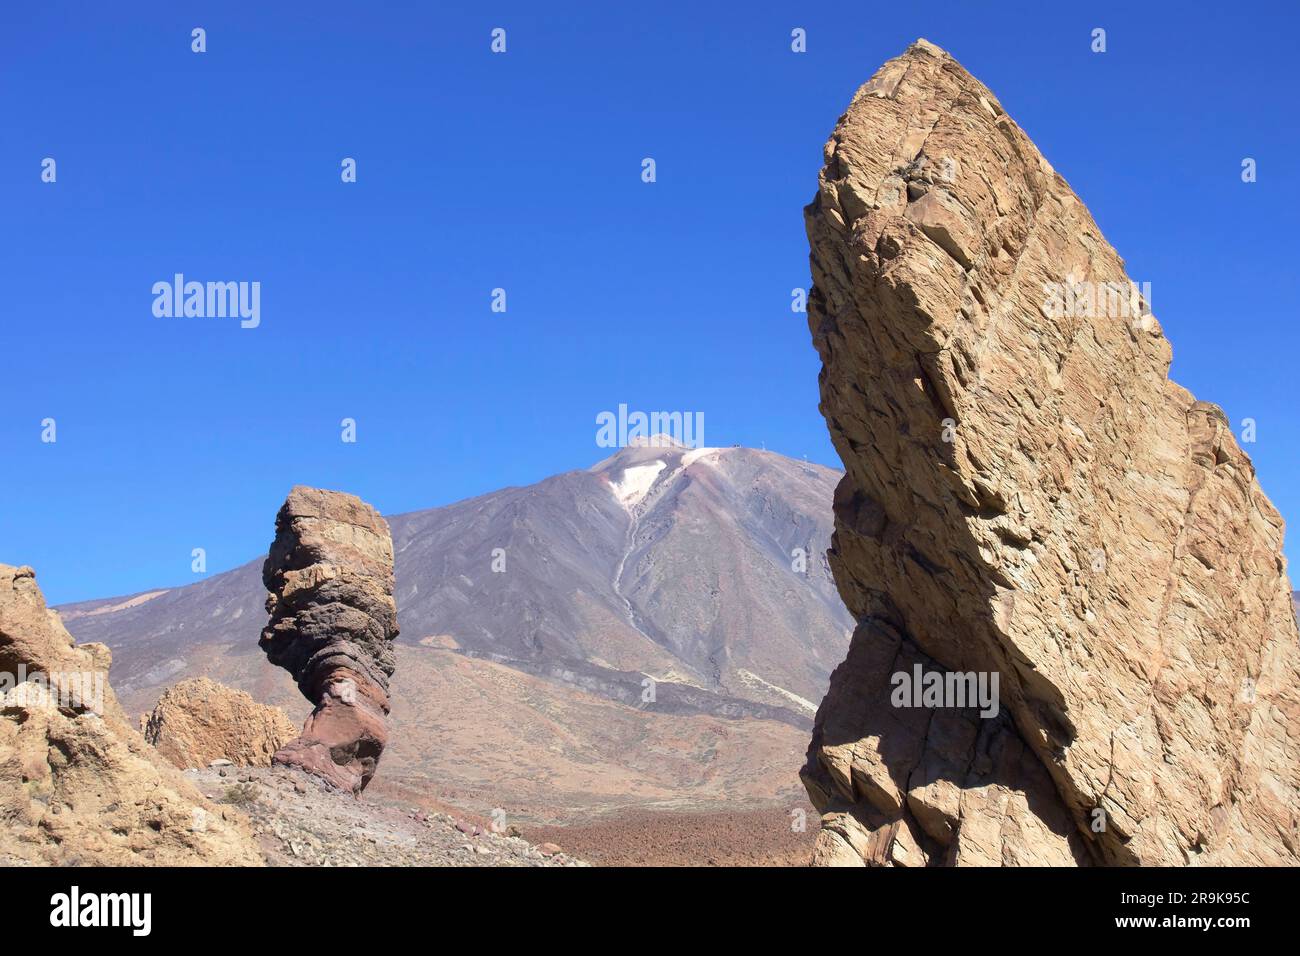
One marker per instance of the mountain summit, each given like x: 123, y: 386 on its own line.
x: 662, y: 583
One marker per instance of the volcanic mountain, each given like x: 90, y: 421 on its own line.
x: 655, y: 629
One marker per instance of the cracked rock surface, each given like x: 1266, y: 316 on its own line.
x: 1027, y: 493
x: 332, y: 625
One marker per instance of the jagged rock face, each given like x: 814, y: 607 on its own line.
x: 77, y: 784
x: 332, y: 625
x: 1027, y: 493
x: 198, y: 721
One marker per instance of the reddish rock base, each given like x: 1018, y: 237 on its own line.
x: 343, y: 738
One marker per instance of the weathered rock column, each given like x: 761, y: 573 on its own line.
x: 1026, y: 494
x: 333, y: 620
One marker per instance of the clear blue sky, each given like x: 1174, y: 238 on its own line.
x: 522, y: 171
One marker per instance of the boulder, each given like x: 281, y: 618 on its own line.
x: 199, y: 721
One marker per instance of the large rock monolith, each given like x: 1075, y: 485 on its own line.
x: 1029, y: 497
x: 332, y: 624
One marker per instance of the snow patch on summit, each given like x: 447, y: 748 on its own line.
x: 635, y: 482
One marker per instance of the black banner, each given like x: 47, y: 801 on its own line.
x: 314, y: 906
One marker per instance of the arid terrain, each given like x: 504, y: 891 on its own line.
x: 761, y: 837
x: 522, y: 689
x: 1042, y: 618
x: 297, y: 821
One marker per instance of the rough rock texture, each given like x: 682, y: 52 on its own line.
x: 77, y: 784
x: 333, y: 621
x: 198, y: 721
x: 1027, y: 493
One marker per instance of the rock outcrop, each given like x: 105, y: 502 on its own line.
x: 78, y: 785
x: 198, y: 721
x: 1028, y: 495
x: 332, y: 625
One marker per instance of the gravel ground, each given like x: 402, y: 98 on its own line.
x: 299, y: 821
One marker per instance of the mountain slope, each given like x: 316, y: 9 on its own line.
x: 660, y: 562
x: 688, y: 580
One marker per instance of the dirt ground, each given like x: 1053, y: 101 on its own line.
x: 763, y: 837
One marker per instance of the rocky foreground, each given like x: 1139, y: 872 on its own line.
x: 298, y: 820
x: 79, y: 786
